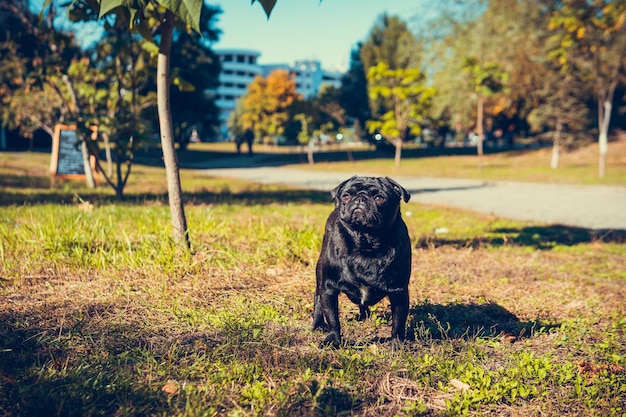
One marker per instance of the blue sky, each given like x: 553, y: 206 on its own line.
x: 306, y: 29
x: 324, y: 30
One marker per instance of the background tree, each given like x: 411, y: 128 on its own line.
x: 353, y: 95
x: 407, y: 91
x: 592, y: 43
x: 562, y: 114
x: 35, y: 90
x: 265, y: 106
x: 389, y: 41
x: 485, y: 80
x: 125, y: 124
x: 195, y: 69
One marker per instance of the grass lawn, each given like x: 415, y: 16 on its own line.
x: 100, y: 315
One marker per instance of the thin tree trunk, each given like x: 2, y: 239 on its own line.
x: 480, y: 131
x: 177, y: 209
x: 398, y: 143
x: 603, y: 140
x: 604, y: 118
x: 107, y: 153
x: 556, y: 146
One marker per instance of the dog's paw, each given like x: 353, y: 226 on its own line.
x: 320, y: 325
x: 332, y: 339
x: 396, y: 343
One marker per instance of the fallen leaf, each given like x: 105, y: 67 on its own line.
x: 460, y: 385
x: 171, y: 387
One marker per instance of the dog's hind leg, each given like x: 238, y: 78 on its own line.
x: 399, y: 314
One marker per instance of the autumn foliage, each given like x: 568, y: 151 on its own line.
x: 264, y: 108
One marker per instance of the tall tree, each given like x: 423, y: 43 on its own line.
x: 509, y: 33
x: 353, y: 92
x: 592, y: 43
x: 389, y: 41
x: 34, y: 87
x: 562, y: 112
x: 407, y: 91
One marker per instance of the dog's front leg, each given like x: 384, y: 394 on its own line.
x: 399, y: 313
x: 330, y: 307
x: 318, y: 313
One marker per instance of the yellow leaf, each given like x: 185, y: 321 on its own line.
x: 580, y: 33
x: 171, y: 387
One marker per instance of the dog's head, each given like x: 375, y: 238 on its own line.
x: 369, y: 203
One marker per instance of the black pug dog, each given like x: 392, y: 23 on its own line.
x: 366, y: 254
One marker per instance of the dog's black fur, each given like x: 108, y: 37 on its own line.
x: 366, y: 254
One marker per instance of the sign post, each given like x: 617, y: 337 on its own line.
x: 67, y: 159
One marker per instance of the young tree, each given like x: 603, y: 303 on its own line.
x: 188, y: 11
x: 410, y: 97
x: 486, y: 80
x: 591, y: 40
x: 135, y: 15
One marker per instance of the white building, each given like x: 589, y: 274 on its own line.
x: 239, y: 67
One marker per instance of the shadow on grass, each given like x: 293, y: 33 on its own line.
x: 539, y: 237
x: 64, y: 372
x: 468, y: 321
x: 98, y: 363
x: 195, y: 198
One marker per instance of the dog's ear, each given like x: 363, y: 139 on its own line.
x: 402, y: 192
x: 335, y: 193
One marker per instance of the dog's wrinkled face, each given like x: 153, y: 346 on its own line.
x: 368, y: 203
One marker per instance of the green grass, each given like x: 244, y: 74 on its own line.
x: 579, y: 166
x: 531, y: 165
x: 101, y: 315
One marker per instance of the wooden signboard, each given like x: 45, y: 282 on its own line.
x: 66, y: 160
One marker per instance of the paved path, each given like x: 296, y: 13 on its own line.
x: 592, y: 207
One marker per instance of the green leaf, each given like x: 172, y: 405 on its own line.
x: 186, y: 10
x: 268, y: 6
x: 106, y: 6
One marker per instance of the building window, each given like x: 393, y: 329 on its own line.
x: 241, y: 59
x: 228, y: 58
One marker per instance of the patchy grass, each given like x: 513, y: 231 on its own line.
x: 101, y: 315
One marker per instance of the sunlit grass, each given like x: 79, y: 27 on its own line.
x: 101, y: 314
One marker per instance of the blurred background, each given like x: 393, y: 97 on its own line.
x: 500, y: 74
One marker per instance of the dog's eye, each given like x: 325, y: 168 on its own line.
x: 345, y: 197
x: 379, y: 199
